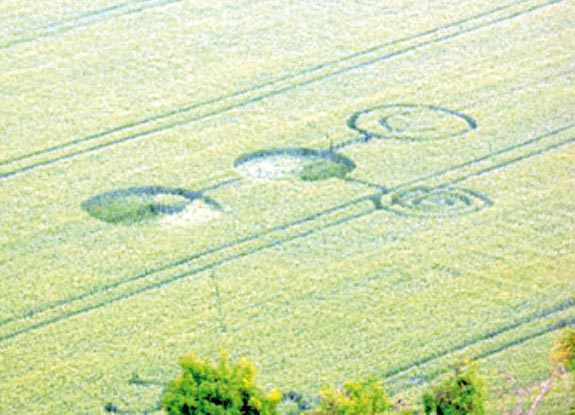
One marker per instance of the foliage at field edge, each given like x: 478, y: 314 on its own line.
x: 355, y: 398
x: 564, y: 355
x: 564, y: 351
x: 218, y: 390
x: 230, y: 389
x: 459, y: 394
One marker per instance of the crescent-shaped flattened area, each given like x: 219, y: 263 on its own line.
x: 411, y: 122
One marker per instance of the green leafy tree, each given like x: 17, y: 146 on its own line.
x: 564, y: 355
x: 460, y: 394
x: 564, y: 351
x: 223, y: 389
x: 356, y: 398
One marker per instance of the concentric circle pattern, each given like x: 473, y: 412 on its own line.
x: 423, y: 201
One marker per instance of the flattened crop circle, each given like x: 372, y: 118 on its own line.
x: 293, y: 163
x: 411, y: 122
x: 423, y: 201
x: 140, y: 204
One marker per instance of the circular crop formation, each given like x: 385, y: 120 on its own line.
x: 294, y: 163
x: 411, y: 122
x: 423, y: 201
x: 142, y: 204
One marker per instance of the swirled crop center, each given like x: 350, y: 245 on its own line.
x: 293, y: 163
x: 143, y: 204
x: 423, y: 201
x: 411, y: 122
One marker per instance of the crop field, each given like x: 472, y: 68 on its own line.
x: 332, y: 189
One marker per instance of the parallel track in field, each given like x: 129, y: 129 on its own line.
x: 88, y: 18
x: 195, y: 264
x: 151, y: 126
